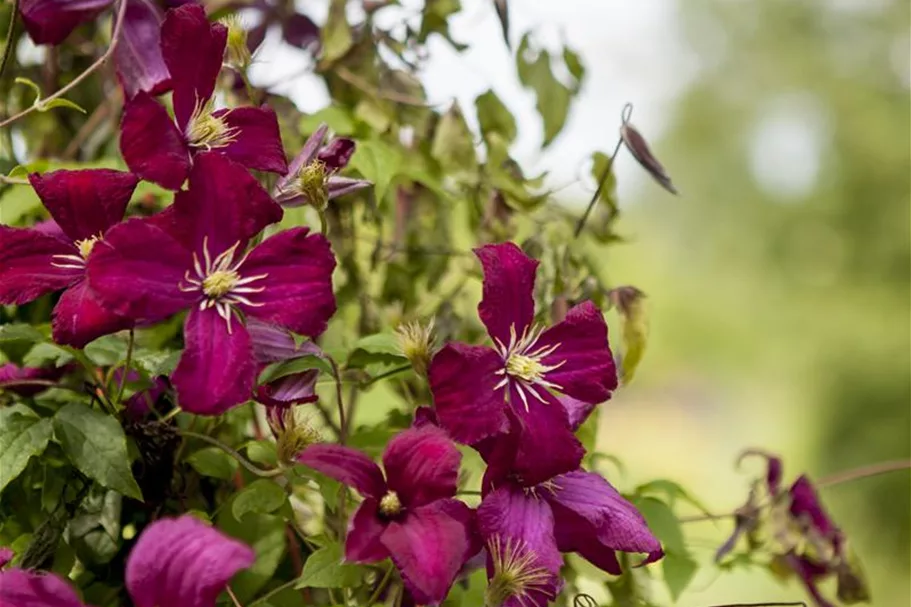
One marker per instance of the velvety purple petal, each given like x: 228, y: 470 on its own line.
x: 422, y: 465
x: 51, y: 21
x: 586, y: 370
x: 609, y: 517
x: 577, y: 411
x: 193, y: 50
x: 18, y: 379
x: 509, y: 283
x: 151, y: 144
x: 362, y: 542
x: 79, y: 317
x: 137, y: 269
x: 183, y: 562
x: 805, y: 503
x: 49, y: 227
x: 6, y: 555
x: 300, y: 31
x: 298, y: 283
x: 140, y: 66
x: 339, y: 186
x: 346, y: 465
x: 429, y: 547
x: 272, y: 343
x: 575, y: 534
x: 27, y: 269
x: 223, y: 206
x: 85, y: 203
x: 257, y: 144
x: 21, y: 588
x: 425, y: 416
x: 216, y: 371
x: 462, y: 379
x: 337, y: 153
x: 294, y: 389
x: 547, y: 447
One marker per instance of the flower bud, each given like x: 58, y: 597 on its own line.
x: 237, y: 53
x: 312, y: 184
x: 292, y: 435
x: 416, y: 342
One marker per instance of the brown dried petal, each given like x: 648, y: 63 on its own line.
x: 638, y: 147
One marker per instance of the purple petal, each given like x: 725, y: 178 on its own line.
x: 193, y: 50
x: 272, y: 343
x: 422, y: 465
x: 773, y: 475
x: 6, y: 554
x: 294, y: 389
x: 337, y: 153
x: 151, y: 144
x: 216, y: 371
x: 21, y: 588
x: 346, y: 465
x: 809, y: 573
x: 425, y: 416
x: 137, y: 269
x: 429, y: 547
x: 300, y: 31
x: 49, y: 227
x: 27, y: 269
x: 805, y: 503
x: 362, y: 542
x: 509, y: 283
x: 183, y: 562
x: 17, y: 379
x: 79, y: 317
x: 577, y: 411
x: 462, y: 379
x: 587, y: 370
x: 223, y: 206
x: 140, y: 404
x: 305, y: 156
x: 140, y: 66
x: 338, y: 186
x: 547, y: 447
x: 258, y: 144
x: 51, y: 21
x: 85, y: 203
x: 298, y: 283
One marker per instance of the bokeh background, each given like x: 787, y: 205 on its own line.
x: 778, y: 283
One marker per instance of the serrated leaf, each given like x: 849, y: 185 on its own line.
x: 453, y: 143
x: 679, y: 570
x: 95, y: 443
x: 262, y: 496
x: 325, y: 569
x: 22, y: 435
x: 59, y: 102
x: 663, y: 523
x: 377, y: 348
x: 494, y: 117
x: 336, y: 34
x: 212, y: 461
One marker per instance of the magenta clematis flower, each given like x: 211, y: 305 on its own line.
x: 140, y: 66
x: 183, y: 562
x: 34, y: 262
x: 157, y: 149
x: 312, y: 179
x: 477, y: 390
x: 22, y: 588
x: 194, y: 256
x: 51, y: 21
x: 410, y: 515
x: 6, y: 555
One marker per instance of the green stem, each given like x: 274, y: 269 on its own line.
x: 273, y: 592
x: 240, y: 458
x: 8, y: 48
x: 382, y: 586
x: 340, y: 401
x: 601, y: 182
x: 386, y: 375
x: 126, y: 366
x: 863, y: 472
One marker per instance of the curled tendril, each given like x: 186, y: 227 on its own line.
x: 584, y: 600
x: 626, y: 113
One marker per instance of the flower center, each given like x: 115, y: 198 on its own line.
x: 523, y: 364
x: 312, y: 183
x: 390, y: 504
x: 207, y: 131
x: 219, y: 283
x: 85, y: 246
x: 524, y: 367
x: 516, y: 574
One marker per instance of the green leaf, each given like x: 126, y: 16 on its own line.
x: 261, y: 496
x: 96, y: 445
x: 377, y: 348
x: 336, y: 33
x: 17, y: 332
x: 31, y: 85
x: 325, y: 569
x: 378, y: 162
x: 679, y: 570
x: 573, y: 64
x: 106, y: 351
x: 262, y: 452
x: 95, y: 530
x: 673, y: 491
x: 553, y: 97
x: 22, y: 435
x: 336, y: 117
x: 265, y: 533
x: 663, y: 523
x: 212, y: 461
x: 494, y: 117
x: 59, y: 102
x: 294, y: 366
x: 453, y: 142
x: 47, y: 353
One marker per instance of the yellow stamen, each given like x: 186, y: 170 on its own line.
x: 390, y: 505
x: 416, y: 343
x: 219, y: 283
x: 206, y: 131
x: 524, y: 367
x: 85, y: 246
x: 515, y: 573
x: 312, y: 184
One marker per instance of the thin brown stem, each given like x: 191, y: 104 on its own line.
x: 863, y: 472
x: 233, y: 596
x: 340, y: 401
x: 118, y: 26
x: 601, y: 183
x: 13, y: 180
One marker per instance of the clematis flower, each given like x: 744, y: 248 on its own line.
x: 410, y: 515
x: 23, y: 588
x: 183, y: 562
x: 480, y: 392
x: 26, y: 381
x: 312, y: 180
x: 85, y: 204
x: 137, y: 57
x: 51, y: 21
x: 162, y: 151
x: 195, y: 256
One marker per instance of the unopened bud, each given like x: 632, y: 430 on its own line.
x: 292, y: 435
x: 312, y: 184
x: 416, y: 342
x: 237, y: 53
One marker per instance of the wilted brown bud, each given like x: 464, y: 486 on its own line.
x: 638, y: 147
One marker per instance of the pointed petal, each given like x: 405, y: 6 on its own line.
x: 258, y: 144
x: 79, y: 317
x: 151, y: 145
x: 135, y: 271
x: 51, y: 21
x: 183, y: 562
x: 21, y: 588
x: 429, y: 547
x: 547, y: 447
x: 223, y: 205
x: 294, y: 389
x: 509, y: 513
x: 422, y: 465
x: 463, y: 380
x: 26, y: 265
x: 85, y: 203
x: 272, y: 343
x: 577, y: 411
x: 140, y: 66
x: 362, y: 542
x: 338, y: 186
x: 298, y: 283
x: 193, y: 50
x: 587, y: 370
x: 509, y: 283
x: 306, y: 155
x: 337, y: 153
x: 805, y: 503
x: 216, y: 371
x: 346, y: 465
